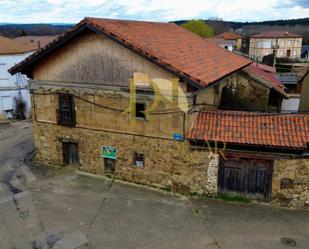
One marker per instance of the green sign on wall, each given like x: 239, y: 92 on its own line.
x: 109, y: 152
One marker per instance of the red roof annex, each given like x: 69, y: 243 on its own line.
x: 249, y: 128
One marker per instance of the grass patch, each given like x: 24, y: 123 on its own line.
x: 233, y: 198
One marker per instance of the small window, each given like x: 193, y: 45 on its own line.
x: 140, y: 110
x: 139, y: 160
x: 66, y: 110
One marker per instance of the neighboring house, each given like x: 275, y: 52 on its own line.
x: 292, y: 82
x: 232, y: 38
x: 288, y: 45
x: 305, y: 53
x: 227, y: 44
x: 12, y: 51
x: 289, y: 80
x: 87, y: 112
x: 304, y: 97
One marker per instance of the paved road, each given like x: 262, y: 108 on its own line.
x: 19, y: 227
x: 45, y: 208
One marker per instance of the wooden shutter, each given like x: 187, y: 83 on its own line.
x: 66, y: 110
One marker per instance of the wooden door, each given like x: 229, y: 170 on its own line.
x: 246, y: 177
x: 70, y: 153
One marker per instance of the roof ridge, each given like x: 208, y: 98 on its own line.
x: 125, y: 20
x: 167, y: 45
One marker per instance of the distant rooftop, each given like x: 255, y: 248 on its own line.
x: 229, y: 36
x: 23, y: 44
x: 276, y: 34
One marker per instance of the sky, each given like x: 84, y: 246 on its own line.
x: 72, y: 11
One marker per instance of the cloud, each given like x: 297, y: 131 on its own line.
x: 72, y: 11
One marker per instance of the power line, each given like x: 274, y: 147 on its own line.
x: 178, y: 109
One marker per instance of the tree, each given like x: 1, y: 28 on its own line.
x: 23, y: 33
x: 199, y: 27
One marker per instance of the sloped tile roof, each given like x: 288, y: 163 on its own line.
x: 23, y: 44
x: 166, y: 44
x: 229, y: 36
x: 267, y: 78
x: 276, y: 34
x: 249, y: 128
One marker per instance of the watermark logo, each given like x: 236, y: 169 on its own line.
x: 167, y: 93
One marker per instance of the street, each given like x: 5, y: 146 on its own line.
x: 43, y: 207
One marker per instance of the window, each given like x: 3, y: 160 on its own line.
x: 140, y: 110
x: 139, y: 160
x: 3, y: 71
x: 66, y: 110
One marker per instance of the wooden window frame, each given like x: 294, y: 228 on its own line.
x: 138, y: 157
x: 62, y: 120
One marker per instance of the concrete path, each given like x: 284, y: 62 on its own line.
x: 42, y: 208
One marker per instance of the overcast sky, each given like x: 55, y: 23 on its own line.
x: 72, y: 11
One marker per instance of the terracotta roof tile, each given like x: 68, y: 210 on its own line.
x: 166, y: 44
x: 264, y: 77
x: 229, y: 36
x: 277, y: 130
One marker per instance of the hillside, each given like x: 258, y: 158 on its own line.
x: 15, y: 30
x: 298, y: 26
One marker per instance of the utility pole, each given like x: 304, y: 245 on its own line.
x: 275, y: 49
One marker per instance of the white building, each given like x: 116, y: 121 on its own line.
x: 12, y: 51
x: 227, y: 44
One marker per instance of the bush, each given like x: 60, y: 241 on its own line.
x: 199, y: 27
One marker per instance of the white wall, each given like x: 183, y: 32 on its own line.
x: 8, y: 83
x: 291, y: 104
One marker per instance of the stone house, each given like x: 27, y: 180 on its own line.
x: 125, y: 99
x: 286, y: 45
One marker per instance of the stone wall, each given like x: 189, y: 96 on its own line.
x: 168, y: 164
x: 291, y: 183
x: 243, y: 93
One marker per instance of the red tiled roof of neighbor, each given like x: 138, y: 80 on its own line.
x: 276, y: 34
x: 166, y: 44
x: 251, y: 128
x: 266, y: 68
x: 229, y: 36
x: 219, y: 41
x: 267, y: 78
x: 22, y: 44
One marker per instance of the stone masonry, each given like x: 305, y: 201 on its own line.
x: 291, y: 183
